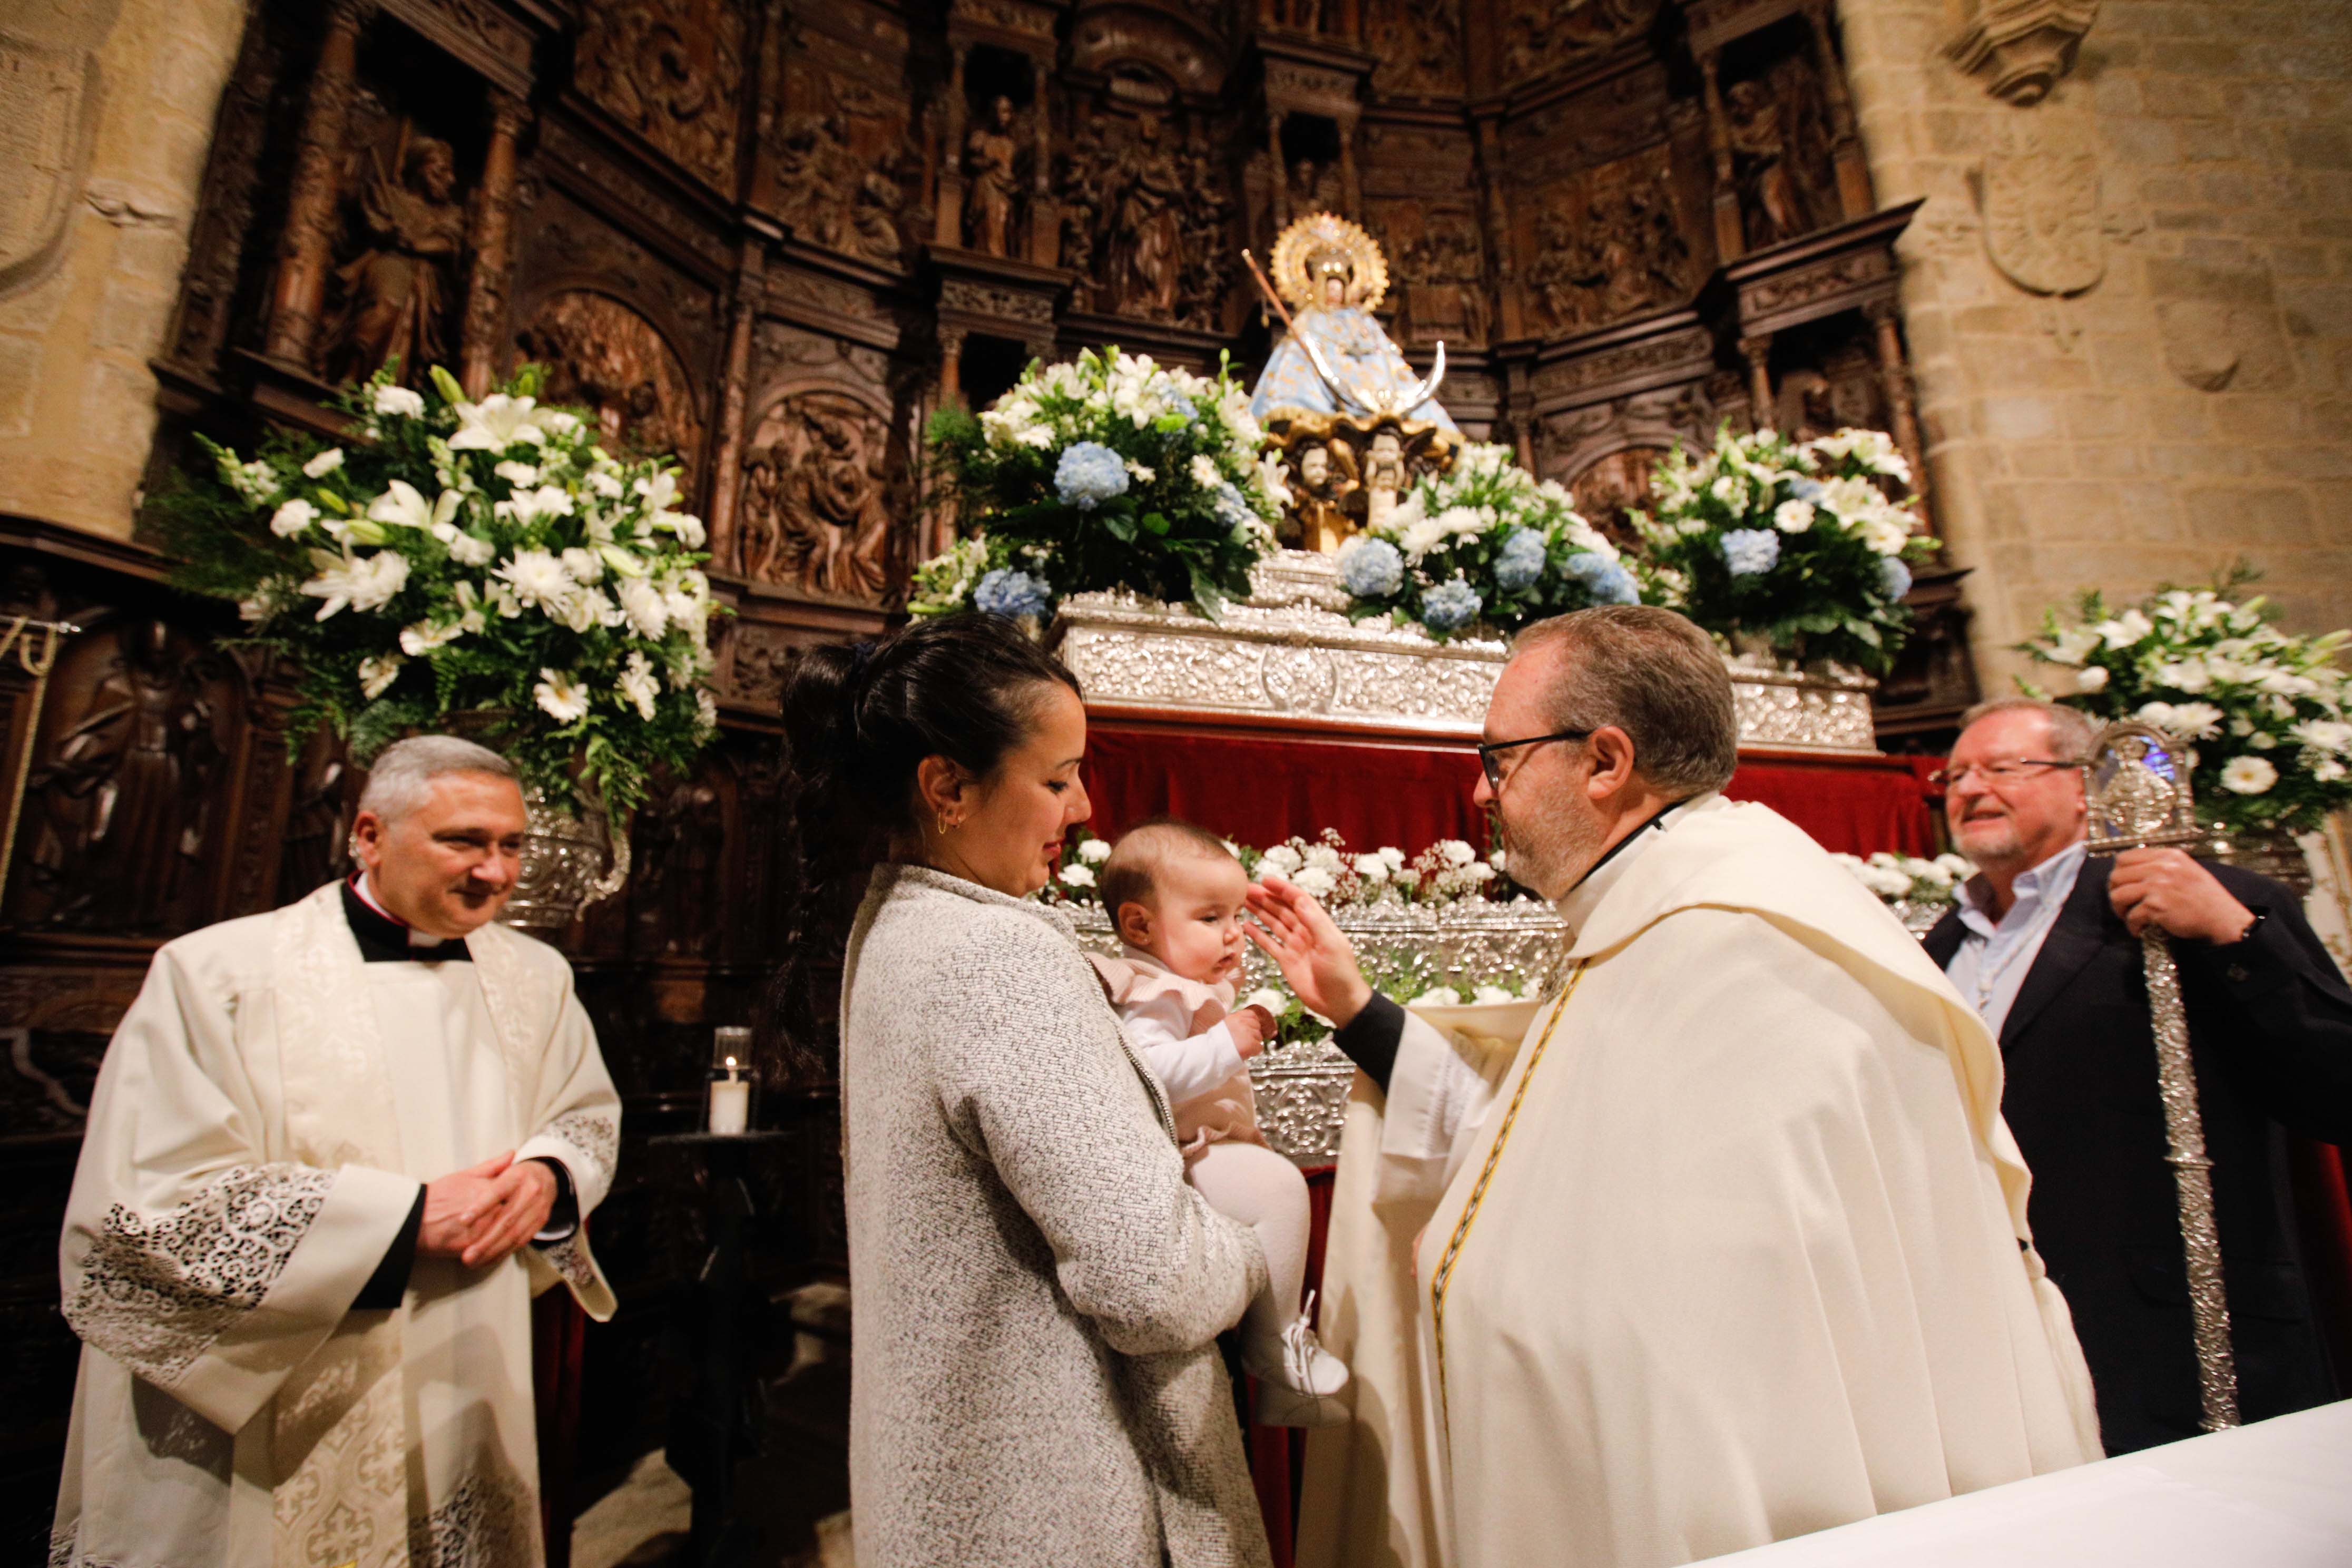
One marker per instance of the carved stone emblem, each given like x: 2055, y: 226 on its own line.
x: 47, y: 95
x: 2042, y: 220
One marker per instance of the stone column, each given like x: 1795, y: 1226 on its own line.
x: 306, y: 244
x: 492, y: 243
x: 1895, y: 380
x: 1730, y: 238
x: 949, y: 229
x: 1758, y: 352
x: 1855, y: 199
x: 727, y: 457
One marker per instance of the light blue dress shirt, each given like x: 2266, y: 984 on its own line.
x: 1994, y: 957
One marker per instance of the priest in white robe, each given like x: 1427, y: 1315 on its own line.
x: 1732, y: 1247
x: 332, y: 1152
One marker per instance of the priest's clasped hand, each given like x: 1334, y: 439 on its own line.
x: 2166, y: 887
x: 481, y: 1215
x: 1309, y: 949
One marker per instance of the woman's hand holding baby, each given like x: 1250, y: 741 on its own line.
x: 1307, y: 946
x: 1252, y: 1028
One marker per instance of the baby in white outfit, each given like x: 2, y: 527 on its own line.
x: 1175, y: 893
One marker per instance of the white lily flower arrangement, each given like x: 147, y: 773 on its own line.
x: 460, y: 557
x: 1797, y: 544
x: 2268, y: 714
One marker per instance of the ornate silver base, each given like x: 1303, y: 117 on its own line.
x: 2275, y: 853
x: 568, y: 864
x: 1290, y: 652
x: 1302, y: 1089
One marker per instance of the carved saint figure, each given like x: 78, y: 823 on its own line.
x: 990, y: 156
x: 124, y: 790
x: 816, y: 503
x: 1385, y: 477
x: 1760, y: 145
x: 396, y: 291
x: 1332, y: 274
x: 1325, y: 482
x: 1148, y: 237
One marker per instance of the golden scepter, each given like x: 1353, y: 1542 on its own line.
x: 2139, y: 797
x: 38, y: 665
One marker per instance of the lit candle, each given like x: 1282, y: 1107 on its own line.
x: 730, y: 1099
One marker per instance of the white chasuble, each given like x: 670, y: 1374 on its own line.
x: 265, y: 1114
x: 1734, y: 1249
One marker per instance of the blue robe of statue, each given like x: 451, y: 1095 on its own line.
x: 1362, y: 359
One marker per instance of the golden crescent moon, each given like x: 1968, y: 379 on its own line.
x: 1318, y: 232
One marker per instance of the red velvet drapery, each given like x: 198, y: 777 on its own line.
x: 1260, y: 791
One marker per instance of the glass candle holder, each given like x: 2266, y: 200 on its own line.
x: 730, y: 1081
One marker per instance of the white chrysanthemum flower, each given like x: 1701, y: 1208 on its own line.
x: 1283, y: 858
x: 585, y: 566
x: 2091, y: 677
x: 292, y: 518
x: 325, y: 463
x: 1437, y: 997
x: 1464, y: 521
x: 398, y: 402
x: 497, y: 422
x: 1392, y: 855
x: 1315, y: 883
x: 1095, y: 851
x: 639, y: 685
x: 1323, y: 857
x: 2247, y: 775
x: 1371, y: 867
x: 560, y: 695
x: 1793, y: 516
x: 1077, y: 877
x: 1205, y: 471
x: 536, y: 578
x: 646, y: 609
x: 1454, y: 852
x: 471, y: 550
x: 377, y: 674
x: 1268, y: 997
x: 1493, y: 995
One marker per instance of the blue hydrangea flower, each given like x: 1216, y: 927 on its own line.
x: 1450, y: 605
x: 1372, y: 569
x: 1605, y: 581
x: 1180, y: 403
x: 1893, y: 576
x: 1089, y: 473
x: 1806, y: 490
x: 1752, y: 552
x: 1231, y: 509
x: 1014, y: 595
x: 1520, y: 561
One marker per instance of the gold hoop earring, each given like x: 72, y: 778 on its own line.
x: 945, y: 824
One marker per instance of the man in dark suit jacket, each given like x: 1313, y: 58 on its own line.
x: 2045, y: 943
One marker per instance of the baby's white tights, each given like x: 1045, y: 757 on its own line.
x: 1252, y: 1183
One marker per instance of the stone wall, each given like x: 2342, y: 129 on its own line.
x: 2129, y: 302
x: 111, y: 104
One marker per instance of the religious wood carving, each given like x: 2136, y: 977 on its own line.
x: 671, y: 71
x: 1539, y: 37
x: 837, y: 170
x: 1609, y: 244
x: 1613, y: 488
x: 821, y: 488
x: 1443, y: 271
x: 121, y: 821
x: 213, y: 289
x: 1146, y: 223
x: 1780, y: 152
x: 398, y: 294
x: 603, y: 356
x: 1416, y: 46
x: 568, y: 246
x: 993, y: 169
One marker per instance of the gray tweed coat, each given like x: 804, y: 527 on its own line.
x: 1035, y: 1380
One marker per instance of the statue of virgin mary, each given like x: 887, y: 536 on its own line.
x: 1335, y: 360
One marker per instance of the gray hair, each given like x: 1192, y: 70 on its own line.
x: 1651, y: 673
x: 402, y: 777
x: 2072, y: 731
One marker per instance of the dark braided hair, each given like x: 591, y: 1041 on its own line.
x: 858, y: 721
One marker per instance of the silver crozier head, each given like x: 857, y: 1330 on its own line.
x: 2139, y: 789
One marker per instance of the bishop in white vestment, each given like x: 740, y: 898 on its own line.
x: 303, y: 1129
x: 1732, y: 1247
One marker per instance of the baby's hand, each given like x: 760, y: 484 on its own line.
x: 1251, y: 1029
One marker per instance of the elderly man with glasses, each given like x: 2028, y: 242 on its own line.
x: 2045, y: 944
x: 1730, y: 1244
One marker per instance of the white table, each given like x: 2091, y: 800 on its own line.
x: 2277, y: 1494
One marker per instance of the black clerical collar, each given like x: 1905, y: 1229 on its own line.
x: 383, y: 939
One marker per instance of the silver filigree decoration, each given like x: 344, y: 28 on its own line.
x: 2139, y: 795
x: 1302, y: 1089
x: 595, y: 1136
x: 1291, y: 651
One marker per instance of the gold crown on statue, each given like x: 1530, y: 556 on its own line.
x: 1324, y: 245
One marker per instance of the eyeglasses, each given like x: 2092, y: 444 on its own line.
x: 1493, y: 763
x: 1995, y: 774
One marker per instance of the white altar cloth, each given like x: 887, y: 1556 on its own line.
x: 2277, y: 1494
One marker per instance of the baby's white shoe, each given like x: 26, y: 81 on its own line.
x: 1299, y: 1382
